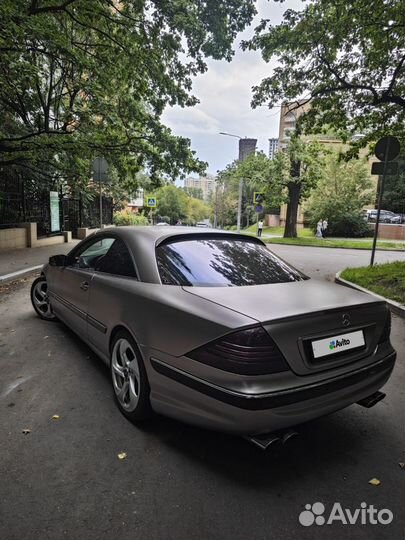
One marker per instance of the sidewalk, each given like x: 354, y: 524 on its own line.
x: 16, y: 262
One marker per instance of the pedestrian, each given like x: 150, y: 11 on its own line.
x: 259, y: 227
x: 324, y: 228
x: 319, y: 229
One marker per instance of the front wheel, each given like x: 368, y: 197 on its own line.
x: 129, y: 379
x: 40, y: 299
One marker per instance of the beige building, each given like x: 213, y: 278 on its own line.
x: 205, y: 183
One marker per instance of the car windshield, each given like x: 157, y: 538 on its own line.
x: 221, y: 262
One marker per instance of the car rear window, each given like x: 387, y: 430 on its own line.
x: 224, y: 262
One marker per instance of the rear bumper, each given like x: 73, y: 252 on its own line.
x: 191, y: 399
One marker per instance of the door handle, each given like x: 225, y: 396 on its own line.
x: 84, y: 285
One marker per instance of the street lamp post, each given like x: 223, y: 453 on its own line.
x: 246, y: 147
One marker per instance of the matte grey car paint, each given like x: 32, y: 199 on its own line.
x: 167, y: 322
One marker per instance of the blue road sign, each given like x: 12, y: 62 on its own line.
x: 151, y: 202
x: 259, y: 209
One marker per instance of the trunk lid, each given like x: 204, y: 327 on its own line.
x: 297, y: 313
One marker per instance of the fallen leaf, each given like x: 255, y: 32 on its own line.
x: 26, y: 431
x: 374, y: 482
x: 55, y: 417
x: 122, y: 455
x: 402, y: 465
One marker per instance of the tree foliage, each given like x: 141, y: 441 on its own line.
x: 288, y: 178
x: 197, y: 193
x: 346, y: 57
x: 342, y: 192
x: 394, y: 191
x: 174, y: 204
x: 80, y: 78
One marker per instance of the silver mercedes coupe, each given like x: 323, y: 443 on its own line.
x: 211, y: 328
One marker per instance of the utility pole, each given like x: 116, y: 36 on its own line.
x: 386, y: 150
x: 100, y: 174
x: 246, y: 147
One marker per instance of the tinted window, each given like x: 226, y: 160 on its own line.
x: 221, y: 262
x: 88, y: 255
x: 117, y: 261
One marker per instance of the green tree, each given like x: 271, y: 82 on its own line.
x: 80, y: 78
x: 197, y: 211
x: 173, y: 203
x: 394, y: 191
x: 197, y: 193
x: 224, y: 201
x: 295, y: 172
x: 340, y: 196
x: 288, y: 178
x: 347, y: 58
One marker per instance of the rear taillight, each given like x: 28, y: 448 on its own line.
x: 247, y: 352
x: 385, y: 335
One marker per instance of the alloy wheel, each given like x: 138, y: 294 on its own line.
x: 125, y: 374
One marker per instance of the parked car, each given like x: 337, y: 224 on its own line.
x: 212, y: 328
x: 385, y: 216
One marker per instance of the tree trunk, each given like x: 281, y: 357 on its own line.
x: 294, y: 192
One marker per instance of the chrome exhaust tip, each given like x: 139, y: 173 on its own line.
x: 372, y: 400
x: 265, y: 440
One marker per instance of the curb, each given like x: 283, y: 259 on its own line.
x: 395, y: 307
x: 19, y: 273
x: 328, y: 247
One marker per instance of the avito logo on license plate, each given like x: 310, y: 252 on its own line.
x: 336, y: 344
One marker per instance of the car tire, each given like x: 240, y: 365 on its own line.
x: 129, y: 379
x: 40, y: 300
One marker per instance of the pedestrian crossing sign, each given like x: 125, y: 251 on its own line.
x: 258, y: 197
x: 151, y: 202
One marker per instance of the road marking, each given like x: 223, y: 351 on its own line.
x: 18, y: 273
x: 15, y: 385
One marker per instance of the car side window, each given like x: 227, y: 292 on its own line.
x: 91, y: 253
x: 117, y: 261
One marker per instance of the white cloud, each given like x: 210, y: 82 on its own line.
x: 225, y: 93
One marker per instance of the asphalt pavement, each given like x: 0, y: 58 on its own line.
x: 19, y: 260
x: 63, y: 479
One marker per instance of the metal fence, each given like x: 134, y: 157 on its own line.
x: 23, y: 200
x: 79, y: 213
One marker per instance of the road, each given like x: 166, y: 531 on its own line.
x: 63, y: 479
x: 325, y: 262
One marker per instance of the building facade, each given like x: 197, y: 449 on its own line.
x: 205, y: 183
x: 273, y: 147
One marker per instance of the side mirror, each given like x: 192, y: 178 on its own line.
x: 58, y: 260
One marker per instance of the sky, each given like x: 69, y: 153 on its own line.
x: 225, y: 93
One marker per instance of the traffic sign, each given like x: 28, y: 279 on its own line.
x: 259, y: 208
x: 391, y: 168
x: 387, y: 148
x: 100, y: 169
x: 151, y: 202
x: 258, y: 197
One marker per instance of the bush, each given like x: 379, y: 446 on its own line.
x: 128, y: 218
x: 346, y: 225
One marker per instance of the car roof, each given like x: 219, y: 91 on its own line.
x: 142, y: 240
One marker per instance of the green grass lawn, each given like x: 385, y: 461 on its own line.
x: 347, y: 243
x: 385, y: 279
x: 307, y: 238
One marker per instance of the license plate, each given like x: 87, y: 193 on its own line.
x: 336, y: 344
